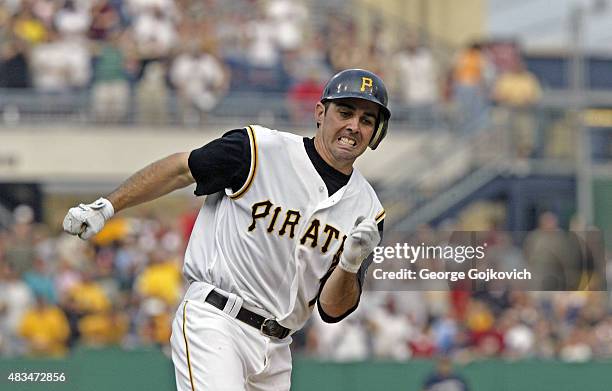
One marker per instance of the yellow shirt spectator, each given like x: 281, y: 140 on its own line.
x: 103, y: 328
x: 89, y: 296
x: 479, y: 317
x: 470, y: 67
x: 30, y: 30
x: 161, y: 280
x: 46, y: 330
x: 115, y: 229
x: 517, y: 89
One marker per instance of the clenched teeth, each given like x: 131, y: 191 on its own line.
x: 348, y: 141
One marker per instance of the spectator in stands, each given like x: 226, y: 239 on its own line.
x: 415, y: 72
x: 390, y: 331
x: 40, y: 281
x: 578, y: 347
x: 129, y: 259
x: 27, y: 26
x: 73, y: 316
x: 20, y: 249
x: 15, y: 301
x: 516, y: 93
x: 519, y: 338
x: 14, y: 71
x: 263, y: 47
x: 151, y: 95
x: 138, y: 7
x: 88, y: 296
x: 472, y: 75
x: 154, y: 34
x: 422, y: 343
x: 61, y: 64
x: 72, y: 20
x: 90, y: 310
x: 66, y: 277
x: 309, y: 59
x: 43, y: 9
x: 200, y: 79
x: 603, y: 338
x: 187, y: 221
x: 485, y: 336
x: 289, y: 17
x: 302, y: 95
x: 104, y: 21
x: 110, y: 90
x: 443, y: 378
x: 343, y: 34
x: 45, y: 329
x: 154, y: 322
x: 104, y: 328
x: 546, y: 340
x: 445, y: 331
x: 554, y: 257
x: 8, y: 9
x: 161, y: 279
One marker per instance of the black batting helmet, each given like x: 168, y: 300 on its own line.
x: 362, y: 84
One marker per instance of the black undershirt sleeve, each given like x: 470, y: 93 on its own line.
x: 361, y: 274
x: 223, y: 163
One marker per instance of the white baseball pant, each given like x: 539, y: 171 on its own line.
x: 212, y: 350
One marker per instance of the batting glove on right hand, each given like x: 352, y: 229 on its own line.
x: 359, y: 244
x: 87, y: 220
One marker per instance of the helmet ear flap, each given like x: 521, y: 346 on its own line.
x: 379, y: 134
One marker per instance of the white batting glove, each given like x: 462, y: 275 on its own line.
x: 88, y: 220
x: 359, y: 244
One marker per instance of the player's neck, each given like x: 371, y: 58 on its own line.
x: 344, y: 167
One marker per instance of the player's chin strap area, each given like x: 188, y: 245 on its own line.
x: 231, y: 304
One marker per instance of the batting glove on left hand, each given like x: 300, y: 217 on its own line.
x: 88, y: 220
x: 359, y: 244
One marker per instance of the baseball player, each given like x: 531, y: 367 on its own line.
x: 287, y: 224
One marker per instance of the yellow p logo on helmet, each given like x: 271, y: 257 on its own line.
x: 365, y: 82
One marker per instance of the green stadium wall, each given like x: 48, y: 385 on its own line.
x: 114, y: 369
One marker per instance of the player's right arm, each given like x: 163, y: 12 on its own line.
x: 220, y: 164
x: 153, y: 181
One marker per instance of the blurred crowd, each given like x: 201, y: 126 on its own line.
x: 122, y: 288
x: 138, y: 52
x: 59, y: 292
x: 431, y: 319
x: 122, y: 57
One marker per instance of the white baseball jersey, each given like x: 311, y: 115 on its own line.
x: 272, y: 241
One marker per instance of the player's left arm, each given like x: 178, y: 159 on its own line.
x: 340, y: 292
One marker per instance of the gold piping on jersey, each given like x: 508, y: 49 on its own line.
x: 380, y: 216
x: 251, y: 176
x: 186, y: 345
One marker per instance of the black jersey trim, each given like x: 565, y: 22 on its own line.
x: 253, y: 169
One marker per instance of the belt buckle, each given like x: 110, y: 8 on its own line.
x: 269, y: 327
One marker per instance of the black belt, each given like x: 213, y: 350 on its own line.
x: 267, y: 326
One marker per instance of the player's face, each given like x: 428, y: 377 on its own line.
x: 345, y: 130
